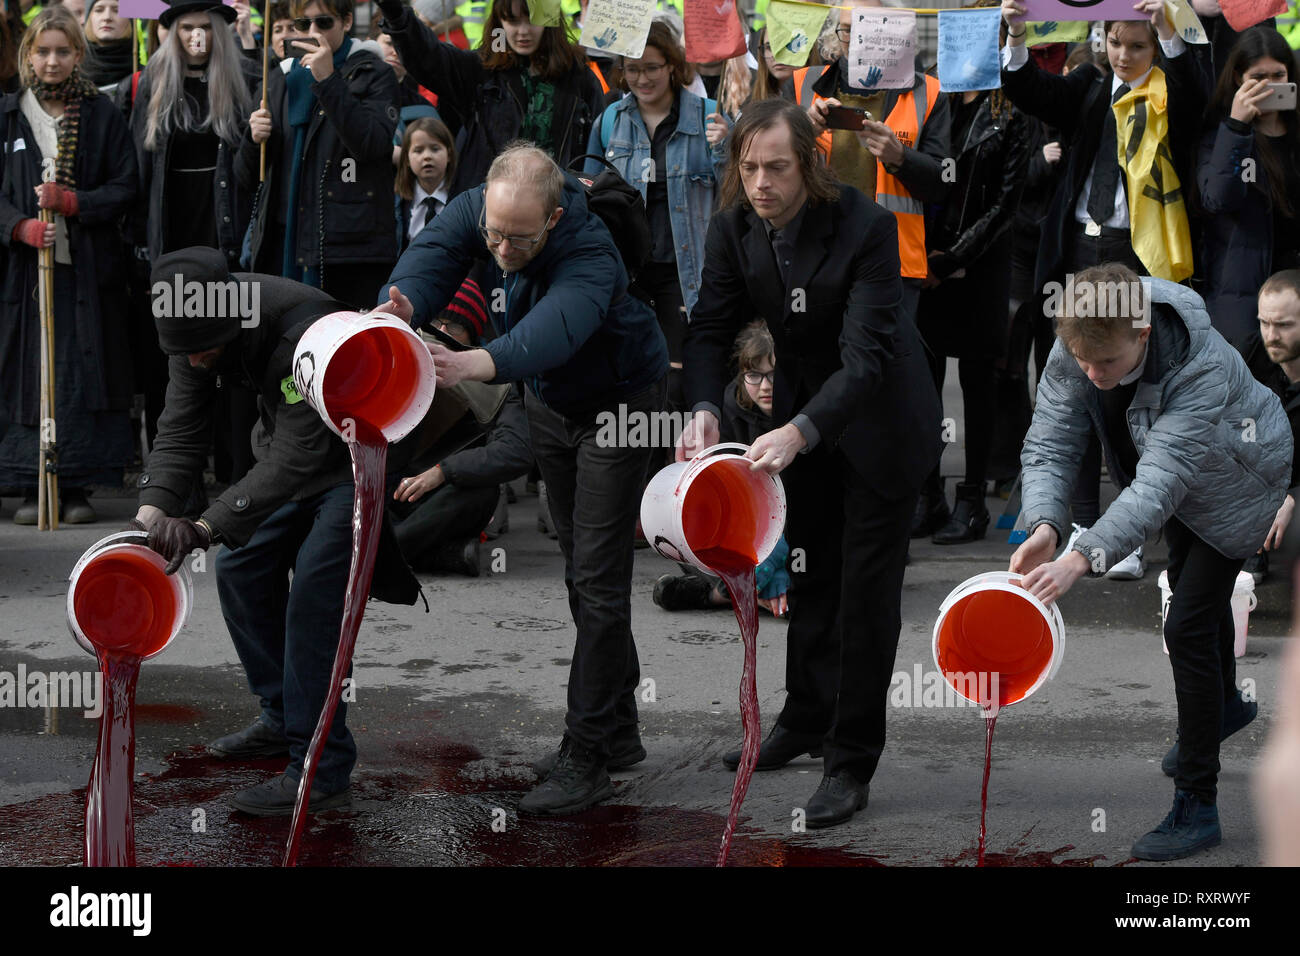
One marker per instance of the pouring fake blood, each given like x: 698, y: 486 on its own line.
x: 718, y: 520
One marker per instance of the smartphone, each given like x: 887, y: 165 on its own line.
x: 308, y: 44
x: 847, y: 117
x: 1281, y: 97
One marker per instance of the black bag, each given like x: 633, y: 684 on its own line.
x: 621, y: 208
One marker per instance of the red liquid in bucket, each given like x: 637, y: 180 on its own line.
x: 370, y: 378
x: 369, y: 454
x: 124, y: 603
x: 996, y: 634
x: 718, y: 512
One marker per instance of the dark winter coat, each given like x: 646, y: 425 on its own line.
x: 106, y: 187
x: 232, y: 202
x: 297, y: 455
x: 505, y: 455
x: 1237, y: 234
x: 567, y: 326
x: 487, y: 106
x: 345, y: 198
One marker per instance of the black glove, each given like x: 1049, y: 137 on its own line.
x: 174, y: 538
x: 135, y: 524
x: 391, y: 9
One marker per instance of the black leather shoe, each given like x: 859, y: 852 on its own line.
x: 625, y: 750
x: 255, y: 740
x: 1237, y: 713
x: 780, y: 747
x: 836, y: 800
x: 931, y: 514
x: 577, y: 781
x: 970, y: 517
x: 458, y: 557
x: 276, y: 797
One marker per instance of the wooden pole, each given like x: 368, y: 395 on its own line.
x: 266, y: 62
x: 47, y: 487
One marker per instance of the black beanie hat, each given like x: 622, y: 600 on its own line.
x: 169, y: 283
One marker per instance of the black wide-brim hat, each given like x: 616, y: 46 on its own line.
x: 168, y: 16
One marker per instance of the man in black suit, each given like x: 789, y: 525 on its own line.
x: 818, y: 261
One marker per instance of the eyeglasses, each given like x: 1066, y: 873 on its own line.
x: 651, y: 71
x: 495, y: 238
x: 303, y: 24
x: 758, y: 378
x: 844, y: 33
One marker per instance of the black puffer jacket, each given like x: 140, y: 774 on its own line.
x: 345, y: 198
x: 487, y: 106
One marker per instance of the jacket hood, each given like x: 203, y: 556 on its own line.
x: 1180, y: 329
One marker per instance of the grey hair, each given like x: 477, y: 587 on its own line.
x: 229, y: 101
x: 523, y: 164
x: 828, y: 42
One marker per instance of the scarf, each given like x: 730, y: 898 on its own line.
x: 71, y: 91
x: 107, y: 62
x: 1157, y: 207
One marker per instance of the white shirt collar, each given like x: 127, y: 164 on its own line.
x: 1115, y: 81
x: 439, y: 194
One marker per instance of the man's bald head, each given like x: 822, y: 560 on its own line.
x: 529, y: 171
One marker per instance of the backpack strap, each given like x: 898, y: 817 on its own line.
x: 607, y: 125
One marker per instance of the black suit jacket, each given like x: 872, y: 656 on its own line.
x: 847, y: 354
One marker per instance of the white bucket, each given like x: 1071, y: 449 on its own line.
x: 990, y: 624
x: 729, y: 506
x: 133, y: 543
x: 365, y: 368
x: 1243, y: 602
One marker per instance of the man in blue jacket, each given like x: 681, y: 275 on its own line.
x: 568, y: 330
x: 1198, y: 446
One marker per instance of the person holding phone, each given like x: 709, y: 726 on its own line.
x: 324, y: 215
x: 1248, y: 182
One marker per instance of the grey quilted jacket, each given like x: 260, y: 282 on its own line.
x: 1214, y: 445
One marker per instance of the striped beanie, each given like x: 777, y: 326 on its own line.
x: 469, y: 309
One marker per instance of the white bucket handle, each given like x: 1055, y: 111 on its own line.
x: 709, y: 453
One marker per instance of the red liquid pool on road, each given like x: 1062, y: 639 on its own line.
x: 369, y: 454
x: 984, y: 790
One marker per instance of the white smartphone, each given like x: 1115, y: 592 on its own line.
x: 1281, y: 97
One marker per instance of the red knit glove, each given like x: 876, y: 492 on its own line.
x: 33, y: 232
x: 59, y: 198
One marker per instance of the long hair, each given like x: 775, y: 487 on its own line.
x: 57, y: 17
x: 765, y: 85
x: 229, y: 101
x: 556, y: 54
x: 1252, y: 46
x: 405, y: 180
x: 818, y: 179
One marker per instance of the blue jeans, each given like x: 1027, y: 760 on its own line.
x: 286, y: 637
x: 595, y: 498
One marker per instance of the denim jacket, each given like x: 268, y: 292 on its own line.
x: 694, y: 171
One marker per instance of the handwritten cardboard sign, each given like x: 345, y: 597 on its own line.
x: 617, y: 27
x: 882, y: 49
x: 713, y: 31
x: 968, y: 50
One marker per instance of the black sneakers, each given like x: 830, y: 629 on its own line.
x: 1191, y: 826
x: 577, y: 781
x: 255, y: 740
x: 276, y: 797
x: 625, y: 750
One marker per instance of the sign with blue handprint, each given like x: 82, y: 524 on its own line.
x: 882, y: 50
x: 617, y: 27
x: 1042, y: 32
x: 791, y: 28
x: 968, y: 50
x: 1184, y: 20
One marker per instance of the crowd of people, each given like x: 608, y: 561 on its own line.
x: 805, y: 257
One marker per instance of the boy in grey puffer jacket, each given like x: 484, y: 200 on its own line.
x: 1196, y: 445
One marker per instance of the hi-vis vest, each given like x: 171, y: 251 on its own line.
x: 472, y: 14
x: 1157, y: 209
x: 906, y: 119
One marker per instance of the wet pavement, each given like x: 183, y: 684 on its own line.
x: 452, y: 705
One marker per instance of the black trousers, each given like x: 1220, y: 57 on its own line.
x: 595, y: 497
x: 845, y: 607
x: 1200, y: 632
x: 978, y: 377
x: 448, y: 514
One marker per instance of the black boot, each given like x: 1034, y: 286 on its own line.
x: 458, y: 557
x: 970, y: 518
x: 931, y: 511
